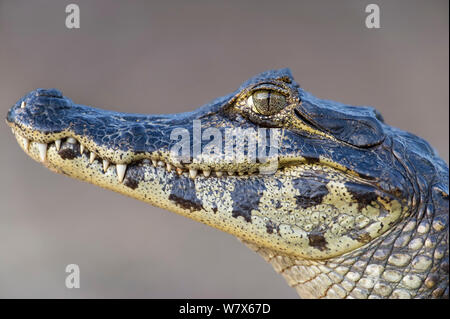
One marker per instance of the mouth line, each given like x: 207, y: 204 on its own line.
x: 70, y: 147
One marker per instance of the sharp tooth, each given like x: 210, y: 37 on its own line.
x: 231, y: 173
x: 206, y: 173
x: 154, y: 162
x: 42, y: 151
x: 179, y: 171
x: 168, y: 167
x: 12, y: 130
x: 26, y: 143
x: 219, y: 173
x: 81, y: 148
x: 105, y: 165
x: 22, y: 105
x: 160, y: 163
x: 121, y: 168
x: 92, y: 157
x: 71, y: 140
x: 58, y: 144
x: 241, y: 173
x: 192, y: 173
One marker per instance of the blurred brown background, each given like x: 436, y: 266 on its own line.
x: 174, y: 56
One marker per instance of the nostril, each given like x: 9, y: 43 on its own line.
x: 49, y: 92
x: 10, y: 116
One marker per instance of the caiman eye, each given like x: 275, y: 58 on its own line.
x: 266, y: 102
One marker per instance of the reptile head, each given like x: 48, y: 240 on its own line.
x: 314, y: 178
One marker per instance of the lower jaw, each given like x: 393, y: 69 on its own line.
x: 141, y: 181
x: 153, y: 185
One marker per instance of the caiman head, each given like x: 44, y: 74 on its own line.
x: 313, y: 179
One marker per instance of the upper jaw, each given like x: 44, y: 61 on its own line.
x: 45, y: 119
x: 37, y: 144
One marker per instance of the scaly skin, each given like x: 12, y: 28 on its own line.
x: 353, y: 209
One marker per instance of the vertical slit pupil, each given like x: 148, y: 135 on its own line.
x: 268, y: 102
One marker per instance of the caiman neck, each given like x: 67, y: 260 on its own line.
x: 411, y: 261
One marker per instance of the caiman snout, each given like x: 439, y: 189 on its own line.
x: 37, y: 102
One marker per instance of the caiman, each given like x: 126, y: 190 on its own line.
x: 353, y: 208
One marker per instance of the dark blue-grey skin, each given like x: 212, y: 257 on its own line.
x: 335, y: 161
